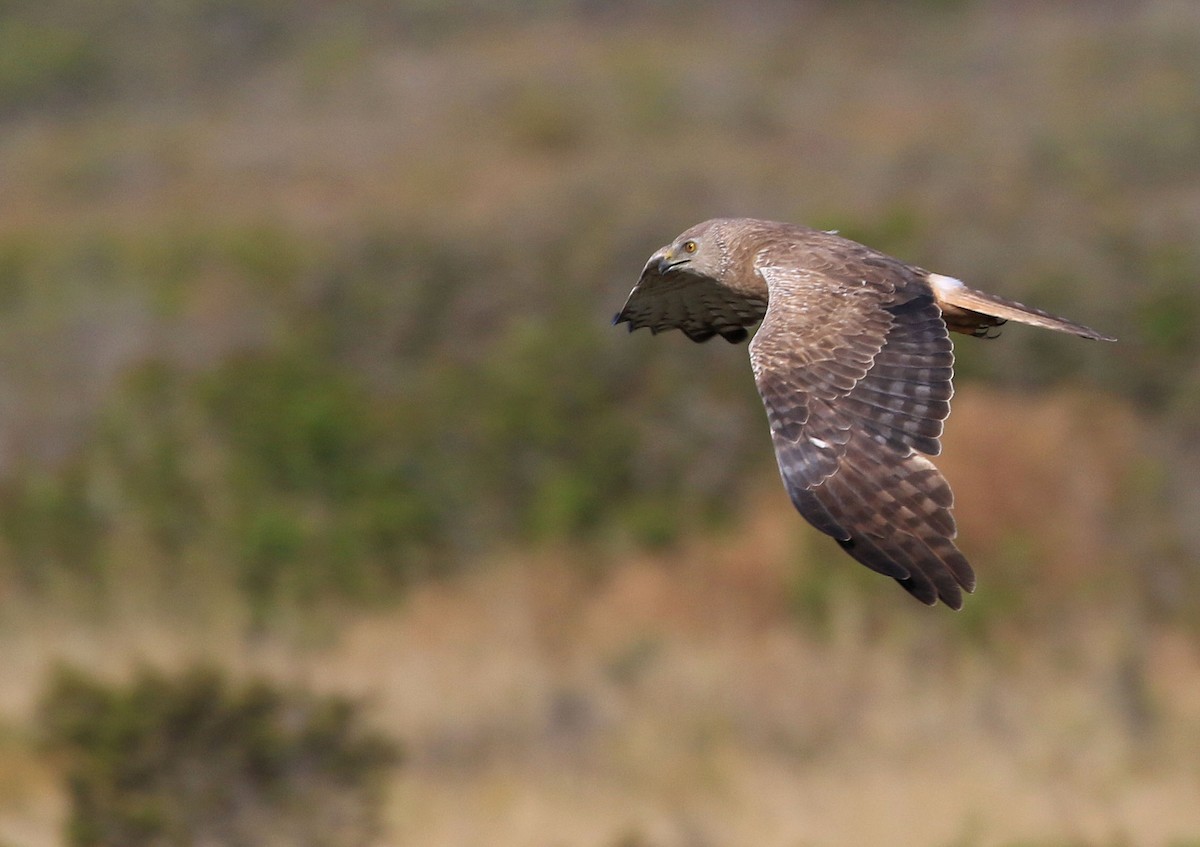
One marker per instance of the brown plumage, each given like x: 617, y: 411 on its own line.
x: 854, y: 365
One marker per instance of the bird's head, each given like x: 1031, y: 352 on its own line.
x: 700, y: 250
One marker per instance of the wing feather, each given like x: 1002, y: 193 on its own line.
x: 697, y: 305
x: 854, y: 364
x: 854, y: 398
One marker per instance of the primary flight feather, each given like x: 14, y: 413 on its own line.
x: 853, y: 362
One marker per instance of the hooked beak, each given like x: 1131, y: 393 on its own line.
x: 665, y: 261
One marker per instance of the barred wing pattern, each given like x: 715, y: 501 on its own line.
x: 854, y: 365
x: 853, y: 397
x: 699, y: 306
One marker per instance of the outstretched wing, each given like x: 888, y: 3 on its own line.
x: 856, y: 380
x: 698, y: 305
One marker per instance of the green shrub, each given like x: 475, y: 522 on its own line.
x: 51, y: 522
x: 39, y: 63
x: 195, y: 759
x: 292, y: 425
x: 330, y: 488
x: 151, y: 447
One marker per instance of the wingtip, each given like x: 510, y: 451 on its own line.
x: 622, y: 318
x: 955, y: 602
x: 920, y: 590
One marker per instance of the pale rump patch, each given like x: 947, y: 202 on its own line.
x: 943, y: 285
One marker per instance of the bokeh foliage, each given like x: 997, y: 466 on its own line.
x: 302, y: 303
x: 195, y: 758
x: 313, y: 298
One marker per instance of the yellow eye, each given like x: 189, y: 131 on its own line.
x: 689, y: 246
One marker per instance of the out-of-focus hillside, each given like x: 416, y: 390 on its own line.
x: 305, y: 305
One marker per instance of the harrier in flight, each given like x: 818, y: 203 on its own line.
x: 854, y: 364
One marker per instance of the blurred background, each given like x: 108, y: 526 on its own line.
x: 333, y: 511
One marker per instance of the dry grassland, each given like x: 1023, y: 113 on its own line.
x: 705, y: 698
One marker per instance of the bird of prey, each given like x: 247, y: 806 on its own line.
x: 853, y: 362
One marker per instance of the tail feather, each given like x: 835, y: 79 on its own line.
x: 953, y: 295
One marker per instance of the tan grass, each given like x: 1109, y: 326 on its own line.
x: 753, y: 688
x: 678, y: 700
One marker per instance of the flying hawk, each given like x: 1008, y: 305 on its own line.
x: 854, y: 365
